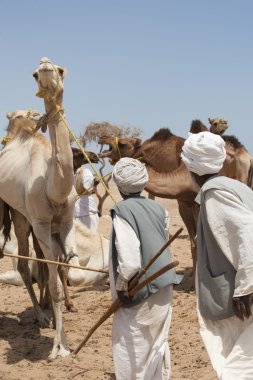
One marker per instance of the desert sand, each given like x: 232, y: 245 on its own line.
x: 24, y: 347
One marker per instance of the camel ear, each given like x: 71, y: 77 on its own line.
x: 9, y: 115
x: 62, y: 72
x: 122, y: 144
x: 35, y: 75
x: 137, y: 143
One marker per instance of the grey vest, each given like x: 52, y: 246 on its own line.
x: 216, y: 275
x: 147, y: 218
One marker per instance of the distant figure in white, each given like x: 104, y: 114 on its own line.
x: 85, y: 207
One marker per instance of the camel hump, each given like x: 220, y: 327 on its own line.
x: 162, y: 134
x: 232, y: 140
x: 197, y: 126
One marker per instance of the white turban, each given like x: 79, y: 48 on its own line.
x: 204, y: 153
x: 130, y: 175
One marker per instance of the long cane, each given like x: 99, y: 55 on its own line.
x: 55, y: 263
x: 118, y: 303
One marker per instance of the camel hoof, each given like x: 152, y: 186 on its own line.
x: 58, y: 352
x: 44, y: 322
x: 72, y: 309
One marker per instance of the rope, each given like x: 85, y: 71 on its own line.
x: 117, y: 145
x: 87, y: 191
x: 5, y: 139
x: 55, y: 263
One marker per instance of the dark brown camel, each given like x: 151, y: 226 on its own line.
x: 168, y: 176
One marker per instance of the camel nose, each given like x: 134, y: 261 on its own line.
x: 46, y: 65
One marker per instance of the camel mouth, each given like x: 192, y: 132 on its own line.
x: 95, y: 159
x: 46, y: 70
x: 105, y: 152
x: 35, y: 116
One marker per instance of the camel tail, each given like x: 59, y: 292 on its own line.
x: 5, y: 223
x: 250, y: 175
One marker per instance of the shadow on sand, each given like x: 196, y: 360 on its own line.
x: 24, y: 338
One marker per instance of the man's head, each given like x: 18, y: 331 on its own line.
x: 130, y: 176
x: 204, y: 153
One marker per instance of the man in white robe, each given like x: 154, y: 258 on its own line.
x: 228, y: 216
x: 85, y: 207
x: 139, y: 332
x: 86, y: 210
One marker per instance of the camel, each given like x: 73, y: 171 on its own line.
x: 168, y: 176
x: 38, y: 271
x: 93, y: 252
x: 39, y: 189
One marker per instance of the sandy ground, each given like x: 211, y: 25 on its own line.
x: 24, y: 347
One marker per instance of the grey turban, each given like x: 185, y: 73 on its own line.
x: 204, y: 153
x: 130, y: 175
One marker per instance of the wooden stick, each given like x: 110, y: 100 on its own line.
x: 55, y: 263
x: 143, y: 271
x: 118, y: 303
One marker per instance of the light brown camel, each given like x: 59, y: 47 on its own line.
x: 41, y: 270
x: 40, y: 186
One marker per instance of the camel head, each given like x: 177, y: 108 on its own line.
x: 50, y: 79
x: 119, y: 147
x: 22, y: 123
x: 79, y: 159
x: 218, y: 125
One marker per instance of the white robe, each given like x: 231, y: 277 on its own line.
x: 139, y: 333
x: 85, y: 207
x: 229, y: 342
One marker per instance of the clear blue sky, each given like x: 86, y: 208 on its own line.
x: 148, y: 64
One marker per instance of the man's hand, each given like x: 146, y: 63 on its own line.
x: 124, y: 297
x: 242, y: 306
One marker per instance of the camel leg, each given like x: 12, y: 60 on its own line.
x: 63, y: 273
x: 43, y: 235
x: 22, y: 231
x: 188, y: 214
x: 67, y: 234
x: 42, y: 276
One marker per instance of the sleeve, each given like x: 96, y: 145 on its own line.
x: 128, y: 248
x: 87, y: 178
x: 167, y: 220
x: 231, y: 223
